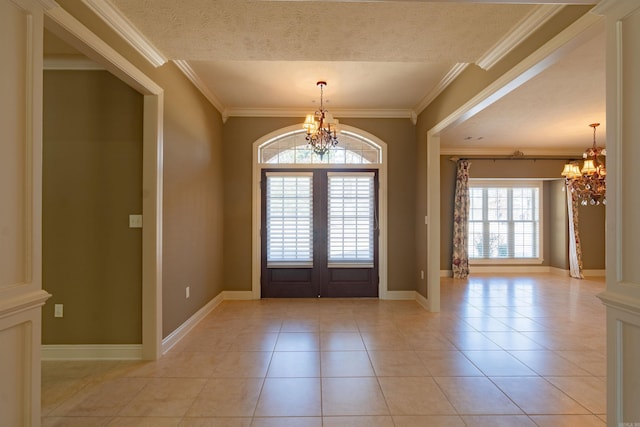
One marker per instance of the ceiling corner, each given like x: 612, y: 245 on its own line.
x: 202, y: 87
x: 125, y: 29
x: 520, y: 32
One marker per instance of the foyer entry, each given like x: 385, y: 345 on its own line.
x: 319, y: 233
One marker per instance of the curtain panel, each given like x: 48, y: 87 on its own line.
x: 460, y: 258
x: 575, y: 251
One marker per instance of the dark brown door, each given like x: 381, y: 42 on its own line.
x: 319, y: 233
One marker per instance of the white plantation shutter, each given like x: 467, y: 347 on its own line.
x: 289, y: 219
x: 504, y: 220
x: 351, y: 217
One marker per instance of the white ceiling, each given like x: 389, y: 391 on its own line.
x: 380, y: 58
x: 549, y: 114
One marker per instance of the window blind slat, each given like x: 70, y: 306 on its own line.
x: 351, y: 217
x: 289, y: 218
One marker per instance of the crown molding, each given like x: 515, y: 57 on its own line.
x: 507, y: 152
x: 359, y: 114
x: 521, y: 31
x: 94, y: 47
x: 70, y: 62
x: 615, y: 7
x: 453, y: 73
x: 580, y: 30
x: 125, y: 29
x: 48, y: 4
x: 202, y: 87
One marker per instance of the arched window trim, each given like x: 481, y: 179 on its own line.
x: 352, y: 133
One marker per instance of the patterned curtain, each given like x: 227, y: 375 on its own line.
x: 575, y: 252
x: 460, y: 264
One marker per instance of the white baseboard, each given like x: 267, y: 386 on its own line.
x: 400, y: 295
x: 134, y: 351
x: 505, y: 269
x: 237, y: 295
x: 182, y: 330
x: 446, y: 273
x: 420, y: 299
x: 92, y: 352
x: 559, y: 271
x: 594, y: 273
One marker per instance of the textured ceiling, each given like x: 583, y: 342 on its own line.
x: 322, y: 31
x: 261, y: 56
x: 552, y: 111
x: 270, y: 54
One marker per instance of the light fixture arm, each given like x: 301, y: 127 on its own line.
x: 321, y: 127
x: 588, y: 183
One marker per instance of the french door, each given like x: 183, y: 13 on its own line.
x: 319, y: 233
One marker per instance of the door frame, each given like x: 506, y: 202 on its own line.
x: 64, y: 25
x: 256, y: 242
x: 320, y: 269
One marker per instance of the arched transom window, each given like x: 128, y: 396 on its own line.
x: 293, y: 148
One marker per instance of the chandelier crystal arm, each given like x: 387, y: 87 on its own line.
x: 321, y: 127
x: 588, y: 183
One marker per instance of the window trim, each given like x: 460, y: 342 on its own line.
x: 515, y: 183
x: 316, y: 161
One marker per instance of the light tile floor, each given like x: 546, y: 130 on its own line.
x: 504, y: 351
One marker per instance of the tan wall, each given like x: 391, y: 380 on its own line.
x: 555, y: 250
x: 239, y: 136
x: 192, y: 183
x: 92, y: 181
x: 592, y: 236
x: 559, y: 226
x: 193, y: 205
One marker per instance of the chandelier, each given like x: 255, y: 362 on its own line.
x: 321, y: 127
x: 588, y: 183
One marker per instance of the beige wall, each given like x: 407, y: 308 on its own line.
x: 555, y: 229
x: 192, y: 183
x: 92, y: 181
x: 239, y: 136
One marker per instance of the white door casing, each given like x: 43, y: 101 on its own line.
x: 21, y: 294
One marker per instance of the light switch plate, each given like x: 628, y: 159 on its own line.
x: 58, y: 310
x: 135, y: 221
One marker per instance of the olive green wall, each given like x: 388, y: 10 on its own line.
x: 239, y: 136
x: 92, y: 181
x: 192, y: 226
x: 555, y: 229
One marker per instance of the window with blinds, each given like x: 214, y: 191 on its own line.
x: 351, y: 218
x: 289, y: 215
x: 504, y: 221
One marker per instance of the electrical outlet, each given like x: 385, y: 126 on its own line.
x: 58, y: 310
x: 187, y: 292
